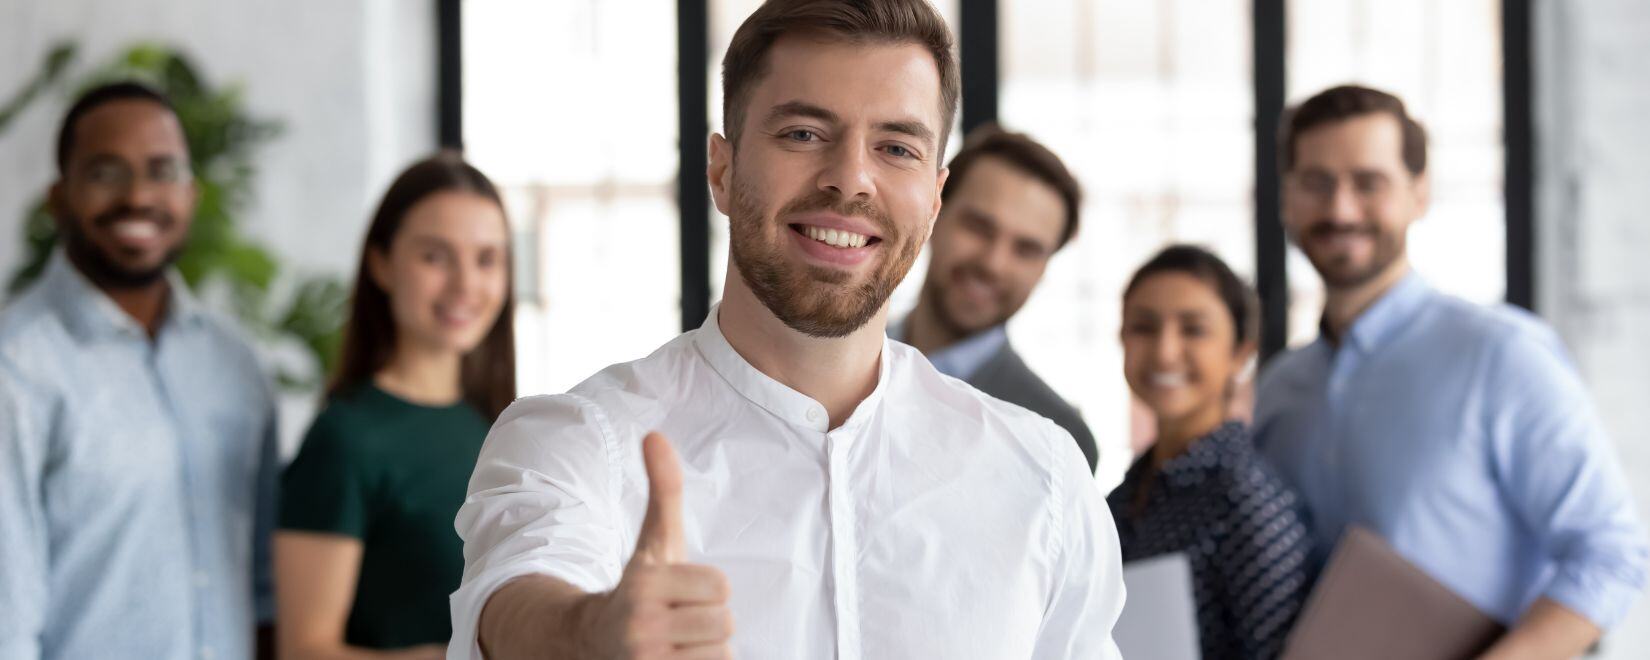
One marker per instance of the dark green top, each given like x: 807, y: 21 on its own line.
x: 393, y: 474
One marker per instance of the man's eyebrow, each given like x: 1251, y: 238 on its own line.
x: 101, y: 158
x: 801, y: 109
x: 909, y: 127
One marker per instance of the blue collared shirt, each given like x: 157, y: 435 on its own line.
x: 1462, y: 435
x: 136, y: 479
x: 963, y: 359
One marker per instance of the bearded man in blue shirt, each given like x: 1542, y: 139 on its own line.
x: 137, y: 432
x: 1459, y: 433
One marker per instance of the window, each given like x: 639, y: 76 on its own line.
x: 570, y: 107
x: 1151, y: 106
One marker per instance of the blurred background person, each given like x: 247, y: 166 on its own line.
x: 1189, y: 327
x: 1458, y: 432
x: 1009, y: 205
x: 366, y: 553
x: 137, y: 475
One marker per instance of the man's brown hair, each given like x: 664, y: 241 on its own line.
x: 857, y: 21
x: 1022, y: 153
x: 1345, y: 102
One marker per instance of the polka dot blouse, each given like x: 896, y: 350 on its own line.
x: 1242, y: 529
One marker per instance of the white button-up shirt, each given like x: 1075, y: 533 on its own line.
x: 936, y: 522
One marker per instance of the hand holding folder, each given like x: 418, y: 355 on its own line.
x: 1372, y: 603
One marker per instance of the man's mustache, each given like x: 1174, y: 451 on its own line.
x: 976, y: 271
x: 1330, y: 229
x: 825, y: 201
x: 160, y: 217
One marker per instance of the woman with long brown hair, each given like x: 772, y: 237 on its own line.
x: 366, y: 553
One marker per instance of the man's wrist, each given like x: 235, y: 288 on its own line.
x: 578, y: 619
x: 537, y: 615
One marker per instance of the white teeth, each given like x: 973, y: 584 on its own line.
x: 1168, y: 380
x: 455, y: 316
x: 835, y: 237
x: 137, y: 229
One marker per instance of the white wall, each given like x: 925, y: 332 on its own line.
x: 1593, y: 196
x: 353, y: 82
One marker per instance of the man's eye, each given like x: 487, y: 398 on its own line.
x: 802, y: 135
x: 104, y: 173
x: 899, y: 151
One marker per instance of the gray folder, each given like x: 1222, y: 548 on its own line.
x: 1159, y: 619
x: 1372, y: 603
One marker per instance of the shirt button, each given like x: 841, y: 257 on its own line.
x: 206, y: 653
x: 201, y: 581
x: 813, y: 414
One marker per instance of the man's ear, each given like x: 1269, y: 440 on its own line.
x: 194, y: 196
x: 56, y: 204
x: 718, y: 171
x: 939, y: 201
x: 1423, y: 194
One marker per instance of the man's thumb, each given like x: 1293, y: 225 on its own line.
x: 660, y: 540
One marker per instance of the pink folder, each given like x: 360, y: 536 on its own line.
x: 1372, y: 603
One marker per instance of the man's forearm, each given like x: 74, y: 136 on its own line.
x: 1548, y: 631
x: 534, y: 616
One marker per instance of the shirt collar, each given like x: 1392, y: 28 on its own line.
x: 964, y: 358
x: 773, y: 396
x: 89, y: 313
x: 1390, y: 313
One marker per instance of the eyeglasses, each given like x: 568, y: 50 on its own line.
x: 114, y: 175
x: 1367, y: 186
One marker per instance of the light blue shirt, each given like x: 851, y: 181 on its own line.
x: 136, y: 479
x: 1462, y: 435
x: 963, y: 359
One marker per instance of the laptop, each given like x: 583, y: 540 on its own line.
x: 1159, y: 619
x: 1372, y: 603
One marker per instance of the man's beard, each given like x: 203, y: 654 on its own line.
x: 104, y: 270
x: 1339, y: 271
x: 935, y: 289
x: 813, y: 300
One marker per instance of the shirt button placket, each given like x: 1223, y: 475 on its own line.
x: 844, y: 548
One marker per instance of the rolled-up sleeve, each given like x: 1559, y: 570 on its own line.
x: 1558, y: 469
x: 1088, y: 590
x: 543, y: 500
x: 23, y: 564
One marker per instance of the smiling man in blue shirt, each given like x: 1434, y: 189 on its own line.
x: 137, y: 450
x: 1459, y: 433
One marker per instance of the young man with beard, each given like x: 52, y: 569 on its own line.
x: 137, y: 455
x: 1010, y: 204
x: 823, y: 489
x: 1459, y: 433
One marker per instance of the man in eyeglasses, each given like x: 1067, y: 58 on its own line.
x: 1459, y: 433
x: 137, y: 449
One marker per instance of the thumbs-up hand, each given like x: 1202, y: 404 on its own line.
x: 663, y: 608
